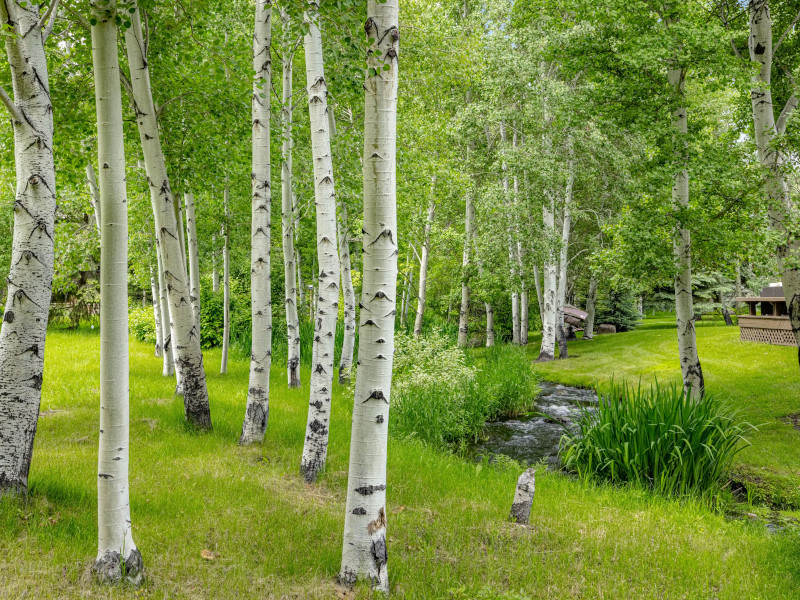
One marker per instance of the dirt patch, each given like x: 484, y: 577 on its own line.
x: 793, y: 420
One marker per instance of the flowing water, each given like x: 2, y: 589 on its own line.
x: 532, y: 437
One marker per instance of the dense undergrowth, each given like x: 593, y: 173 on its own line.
x: 443, y: 395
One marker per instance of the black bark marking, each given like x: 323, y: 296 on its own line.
x: 368, y: 490
x: 359, y: 511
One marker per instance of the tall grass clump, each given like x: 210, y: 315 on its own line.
x: 442, y: 398
x: 658, y: 438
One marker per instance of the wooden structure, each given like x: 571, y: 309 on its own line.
x: 771, y: 325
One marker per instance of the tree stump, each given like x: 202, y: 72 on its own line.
x: 523, y: 497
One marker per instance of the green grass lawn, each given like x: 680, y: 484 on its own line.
x: 761, y: 380
x: 449, y: 538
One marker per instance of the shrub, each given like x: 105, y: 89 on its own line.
x: 657, y: 438
x: 142, y: 324
x: 441, y: 399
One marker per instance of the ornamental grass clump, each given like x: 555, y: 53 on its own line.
x: 658, y: 438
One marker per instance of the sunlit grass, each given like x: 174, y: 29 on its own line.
x: 275, y: 537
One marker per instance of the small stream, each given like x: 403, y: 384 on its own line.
x: 531, y: 438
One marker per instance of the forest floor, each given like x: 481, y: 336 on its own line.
x: 760, y: 380
x: 272, y: 536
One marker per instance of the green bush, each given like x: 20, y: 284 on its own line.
x: 657, y: 438
x: 142, y: 324
x: 441, y: 399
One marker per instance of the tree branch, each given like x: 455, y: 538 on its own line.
x: 789, y: 107
x: 786, y: 113
x: 48, y: 20
x: 9, y: 103
x: 785, y: 33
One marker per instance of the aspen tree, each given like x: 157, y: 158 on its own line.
x: 463, y: 313
x: 184, y: 334
x: 364, y: 552
x: 257, y: 411
x: 29, y: 283
x: 226, y: 281
x: 423, y: 261
x: 349, y: 295
x: 194, y: 258
x: 117, y: 555
x: 783, y: 214
x: 156, y: 313
x: 288, y: 212
x: 691, y: 370
x: 326, y: 311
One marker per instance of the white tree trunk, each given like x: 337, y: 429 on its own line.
x: 257, y: 411
x: 194, y: 259
x: 524, y: 316
x: 214, y: 270
x: 156, y: 313
x: 168, y: 356
x: 548, y: 303
x: 511, y: 261
x: 289, y: 216
x: 684, y: 304
x: 24, y: 325
x: 316, y: 443
x: 226, y: 283
x: 463, y: 313
x: 94, y: 193
x: 591, y: 301
x: 349, y: 295
x: 423, y: 263
x: 537, y: 285
x: 566, y: 226
x: 185, y: 338
x: 783, y: 215
x: 117, y: 555
x: 489, y: 324
x: 364, y: 552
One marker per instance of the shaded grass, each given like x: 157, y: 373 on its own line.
x: 761, y: 381
x: 278, y: 538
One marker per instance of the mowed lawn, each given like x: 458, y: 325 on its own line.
x: 449, y: 538
x: 761, y: 380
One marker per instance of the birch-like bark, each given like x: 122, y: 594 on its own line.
x: 185, y: 338
x: 548, y: 303
x: 463, y: 313
x: 349, y: 295
x: 288, y: 214
x: 214, y: 270
x: 156, y: 313
x: 515, y: 326
x: 257, y: 411
x: 537, y: 285
x: 364, y: 552
x: 566, y: 226
x: 30, y: 277
x: 226, y: 283
x: 591, y: 301
x: 315, y: 449
x: 117, y: 555
x: 691, y: 370
x: 783, y: 215
x: 489, y: 324
x: 168, y: 356
x: 423, y: 263
x: 524, y: 316
x: 194, y: 259
x: 94, y: 193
